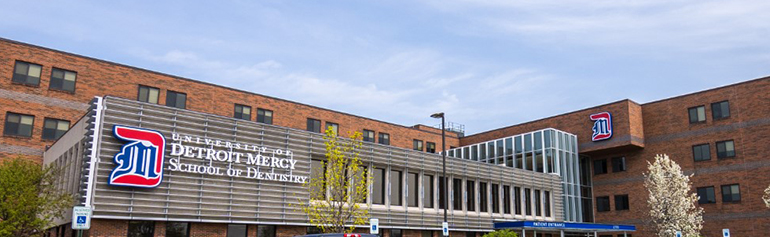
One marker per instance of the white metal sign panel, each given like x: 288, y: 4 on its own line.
x: 81, y: 218
x: 374, y: 226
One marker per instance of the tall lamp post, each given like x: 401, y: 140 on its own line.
x: 443, y: 157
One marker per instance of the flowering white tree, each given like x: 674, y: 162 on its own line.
x: 672, y: 205
x: 766, y: 197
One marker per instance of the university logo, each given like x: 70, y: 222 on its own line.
x: 140, y: 160
x: 602, y: 126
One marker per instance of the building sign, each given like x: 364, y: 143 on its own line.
x: 140, y: 160
x: 602, y: 126
x: 261, y: 162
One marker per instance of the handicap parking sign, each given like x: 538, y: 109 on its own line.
x: 81, y: 218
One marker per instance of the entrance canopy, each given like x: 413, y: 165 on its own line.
x: 563, y: 226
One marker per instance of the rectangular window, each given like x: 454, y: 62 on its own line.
x: 368, y: 136
x: 265, y: 231
x: 317, y: 171
x: 177, y: 229
x: 395, y: 188
x: 395, y: 233
x: 470, y: 195
x: 242, y: 112
x: 413, y: 190
x: 618, y: 164
x: 603, y: 204
x: 528, y: 201
x: 720, y: 110
x: 517, y: 200
x: 237, y: 230
x: 442, y: 192
x: 483, y: 197
x: 264, y: 116
x: 27, y: 73
x: 600, y: 166
x: 706, y: 195
x: 506, y: 199
x: 378, y: 186
x: 538, y: 210
x: 701, y: 152
x: 384, y: 139
x: 495, y: 198
x: 18, y: 124
x: 63, y: 80
x: 457, y: 194
x: 621, y: 202
x: 334, y: 127
x: 148, y: 94
x: 417, y: 145
x: 427, y: 189
x: 314, y: 125
x: 697, y: 114
x: 725, y: 149
x: 547, y: 198
x: 426, y: 233
x: 141, y: 228
x: 731, y: 193
x: 54, y: 128
x: 176, y: 99
x: 431, y: 147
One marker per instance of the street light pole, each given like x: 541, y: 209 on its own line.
x: 443, y: 159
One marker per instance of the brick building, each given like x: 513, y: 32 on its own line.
x: 719, y: 135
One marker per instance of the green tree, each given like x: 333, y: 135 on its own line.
x: 29, y: 200
x: 337, y: 196
x: 502, y: 233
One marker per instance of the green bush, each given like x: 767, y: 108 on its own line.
x: 502, y: 233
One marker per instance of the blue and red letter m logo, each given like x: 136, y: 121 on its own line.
x: 602, y: 126
x: 140, y: 161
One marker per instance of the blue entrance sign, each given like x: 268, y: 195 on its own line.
x: 547, y: 225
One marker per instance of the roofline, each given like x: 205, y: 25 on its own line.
x: 708, y: 90
x: 207, y: 83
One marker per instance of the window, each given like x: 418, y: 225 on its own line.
x: 63, y: 80
x: 384, y: 139
x: 517, y: 200
x: 27, y: 73
x: 506, y: 199
x: 706, y: 195
x: 538, y: 211
x: 176, y: 99
x: 618, y: 164
x: 314, y: 125
x: 334, y: 127
x: 426, y: 233
x: 265, y: 231
x: 427, y: 189
x: 470, y: 195
x: 265, y: 116
x: 457, y: 194
x: 720, y: 110
x: 725, y: 149
x: 547, y: 198
x: 54, y: 128
x: 528, y: 201
x: 413, y: 189
x: 18, y: 124
x: 395, y: 188
x: 177, y: 229
x: 148, y: 94
x: 431, y: 147
x: 483, y: 197
x: 242, y: 112
x: 621, y: 202
x: 395, y: 233
x: 235, y: 230
x: 417, y: 145
x: 697, y: 114
x: 731, y: 193
x: 701, y: 152
x: 603, y: 204
x: 378, y: 186
x: 368, y: 136
x: 495, y: 198
x: 600, y: 166
x: 317, y: 171
x: 141, y: 228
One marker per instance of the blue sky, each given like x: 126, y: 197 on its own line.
x: 486, y: 63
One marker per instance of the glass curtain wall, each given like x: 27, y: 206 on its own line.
x: 545, y: 151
